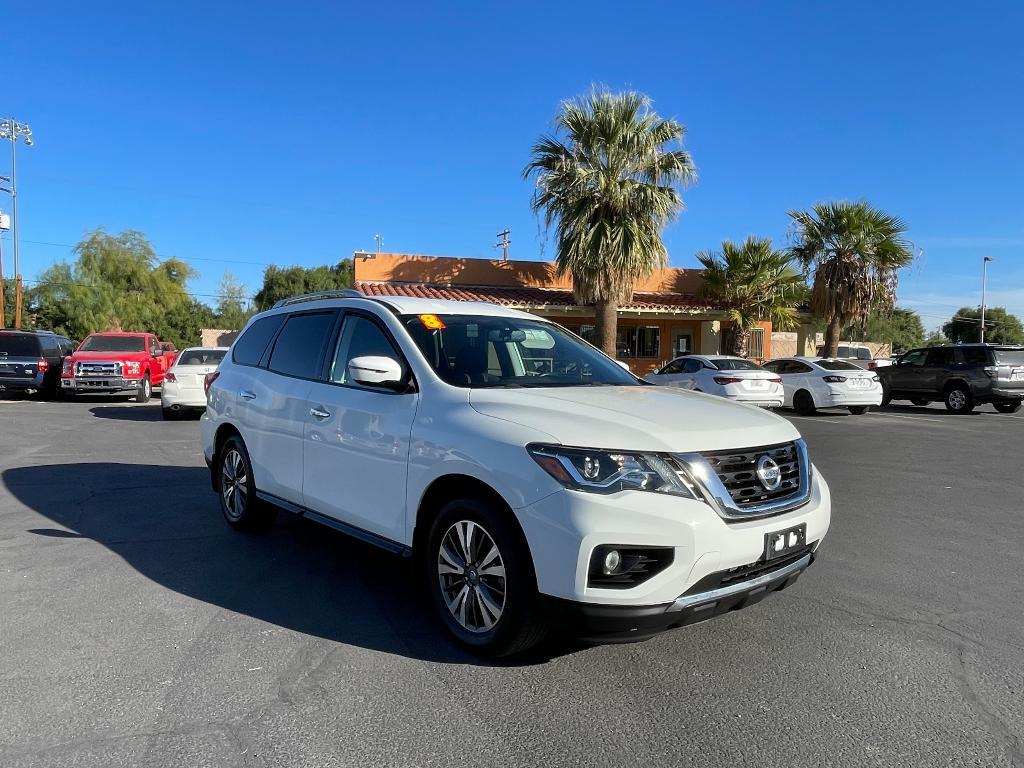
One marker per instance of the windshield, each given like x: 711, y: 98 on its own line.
x: 201, y: 357
x: 19, y: 345
x: 114, y: 344
x: 492, y: 351
x: 736, y: 365
x: 837, y: 365
x: 1009, y: 356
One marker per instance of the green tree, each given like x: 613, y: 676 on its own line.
x: 116, y: 281
x: 755, y: 282
x: 853, y: 252
x: 282, y: 282
x: 608, y: 181
x: 1000, y: 326
x: 902, y: 328
x: 935, y: 339
x: 231, y: 313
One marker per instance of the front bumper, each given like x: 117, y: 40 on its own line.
x: 99, y: 384
x: 626, y: 624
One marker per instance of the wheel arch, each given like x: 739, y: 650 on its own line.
x: 224, y: 432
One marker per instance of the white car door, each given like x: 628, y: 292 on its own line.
x: 671, y: 375
x: 275, y: 403
x: 785, y: 370
x: 356, y: 446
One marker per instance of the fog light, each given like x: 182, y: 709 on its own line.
x: 611, y: 562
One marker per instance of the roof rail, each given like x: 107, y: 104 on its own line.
x: 340, y: 293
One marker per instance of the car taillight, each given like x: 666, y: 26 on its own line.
x: 171, y: 378
x: 991, y: 371
x: 42, y: 365
x: 834, y: 379
x: 872, y: 365
x: 727, y: 380
x: 775, y: 379
x: 209, y: 379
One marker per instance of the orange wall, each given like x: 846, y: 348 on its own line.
x: 446, y: 270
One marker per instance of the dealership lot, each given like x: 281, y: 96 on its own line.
x: 137, y: 629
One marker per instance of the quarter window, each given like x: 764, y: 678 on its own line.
x: 939, y: 356
x: 249, y: 348
x: 974, y: 355
x: 299, y: 346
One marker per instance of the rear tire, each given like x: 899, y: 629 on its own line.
x: 169, y: 414
x: 144, y: 391
x: 1007, y: 407
x: 958, y: 399
x: 803, y: 403
x: 859, y: 410
x: 919, y: 401
x: 237, y: 490
x: 886, y: 396
x: 480, y: 577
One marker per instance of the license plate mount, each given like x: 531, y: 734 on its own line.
x: 781, y: 543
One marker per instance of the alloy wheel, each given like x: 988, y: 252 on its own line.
x: 957, y: 399
x: 471, y: 573
x: 234, y: 484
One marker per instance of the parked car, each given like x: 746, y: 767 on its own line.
x: 117, y: 362
x: 576, y: 496
x: 183, y: 388
x: 961, y: 376
x: 812, y: 383
x: 732, y: 377
x: 858, y: 354
x: 30, y: 361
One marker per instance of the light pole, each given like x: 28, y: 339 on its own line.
x: 984, y: 280
x: 5, y: 224
x: 12, y: 130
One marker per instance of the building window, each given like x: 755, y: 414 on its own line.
x: 638, y: 341
x: 756, y: 346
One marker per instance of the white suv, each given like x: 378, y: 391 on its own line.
x: 537, y: 483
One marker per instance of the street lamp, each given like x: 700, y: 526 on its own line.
x: 12, y: 130
x: 984, y: 280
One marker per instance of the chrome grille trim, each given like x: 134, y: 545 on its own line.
x: 98, y: 368
x: 702, y: 470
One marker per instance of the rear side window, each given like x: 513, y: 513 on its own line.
x: 974, y: 355
x: 50, y: 348
x: 298, y: 349
x: 939, y: 356
x: 676, y: 366
x: 837, y: 365
x: 1009, y: 356
x: 736, y: 364
x: 251, y: 345
x: 19, y: 345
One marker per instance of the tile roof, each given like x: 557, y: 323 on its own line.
x: 531, y: 298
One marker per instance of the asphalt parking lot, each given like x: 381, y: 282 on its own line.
x: 137, y: 629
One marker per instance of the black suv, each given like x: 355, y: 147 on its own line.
x: 961, y: 376
x: 30, y: 361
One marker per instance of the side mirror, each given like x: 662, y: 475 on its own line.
x: 624, y: 365
x: 374, y: 371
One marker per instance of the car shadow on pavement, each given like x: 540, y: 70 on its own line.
x: 128, y: 412
x: 300, y: 575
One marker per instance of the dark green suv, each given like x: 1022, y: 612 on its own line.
x: 961, y: 376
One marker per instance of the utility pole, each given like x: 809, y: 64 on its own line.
x: 12, y: 130
x: 984, y: 280
x: 504, y: 244
x: 378, y: 238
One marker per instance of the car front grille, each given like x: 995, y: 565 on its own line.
x: 737, y: 471
x: 98, y: 368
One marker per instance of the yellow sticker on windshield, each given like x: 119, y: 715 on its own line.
x: 433, y: 322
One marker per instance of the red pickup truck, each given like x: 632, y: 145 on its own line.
x: 118, y: 362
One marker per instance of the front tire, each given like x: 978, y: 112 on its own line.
x: 859, y: 410
x: 237, y: 491
x: 144, y: 391
x: 481, y: 580
x: 959, y: 399
x: 1007, y: 407
x: 803, y: 403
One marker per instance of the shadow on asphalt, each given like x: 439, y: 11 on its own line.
x: 128, y: 412
x: 300, y: 575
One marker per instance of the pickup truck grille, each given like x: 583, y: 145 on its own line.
x: 737, y: 470
x: 98, y: 368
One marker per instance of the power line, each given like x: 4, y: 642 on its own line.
x: 167, y: 256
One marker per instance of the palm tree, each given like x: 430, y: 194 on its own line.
x: 853, y: 251
x: 608, y: 181
x: 755, y: 282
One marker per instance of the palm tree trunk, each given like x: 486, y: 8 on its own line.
x: 740, y: 341
x: 606, y: 319
x: 832, y: 336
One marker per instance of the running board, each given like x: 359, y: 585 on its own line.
x: 349, y: 530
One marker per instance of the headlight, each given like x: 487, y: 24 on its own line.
x: 610, y: 471
x: 132, y: 367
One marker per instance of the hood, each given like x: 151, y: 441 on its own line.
x: 663, y: 419
x: 140, y: 356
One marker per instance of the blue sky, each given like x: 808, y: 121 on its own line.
x: 240, y: 134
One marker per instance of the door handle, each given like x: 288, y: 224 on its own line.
x: 318, y: 414
x: 247, y: 394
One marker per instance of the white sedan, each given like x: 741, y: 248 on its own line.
x: 182, y: 389
x: 735, y: 378
x: 812, y: 383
